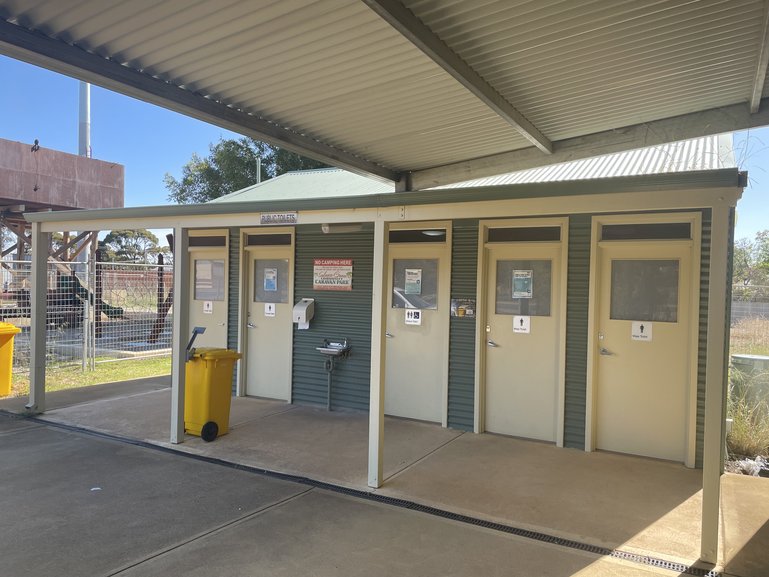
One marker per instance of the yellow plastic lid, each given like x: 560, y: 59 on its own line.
x: 9, y: 329
x: 208, y: 353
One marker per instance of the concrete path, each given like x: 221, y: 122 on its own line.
x: 75, y: 504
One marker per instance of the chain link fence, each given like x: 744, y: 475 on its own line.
x: 96, y: 311
x: 749, y: 301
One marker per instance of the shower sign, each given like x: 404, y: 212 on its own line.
x: 332, y: 274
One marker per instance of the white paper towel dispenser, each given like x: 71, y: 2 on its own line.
x: 303, y: 312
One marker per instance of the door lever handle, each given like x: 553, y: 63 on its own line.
x: 251, y: 325
x: 606, y: 352
x: 492, y: 344
x: 389, y: 335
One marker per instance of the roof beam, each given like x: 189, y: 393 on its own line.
x: 713, y: 121
x: 763, y: 62
x: 41, y: 50
x: 409, y: 26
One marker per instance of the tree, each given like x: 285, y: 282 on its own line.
x: 230, y: 166
x: 751, y: 266
x: 130, y: 245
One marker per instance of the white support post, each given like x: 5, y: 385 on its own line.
x: 181, y: 332
x: 715, y: 382
x: 378, y: 326
x: 38, y: 302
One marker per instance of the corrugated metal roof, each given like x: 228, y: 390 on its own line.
x: 335, y: 78
x: 706, y: 153
x: 317, y: 183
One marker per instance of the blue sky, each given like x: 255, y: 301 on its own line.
x: 151, y: 141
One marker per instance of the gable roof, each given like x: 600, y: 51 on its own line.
x: 319, y: 183
x: 706, y: 153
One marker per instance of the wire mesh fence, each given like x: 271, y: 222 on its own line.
x: 750, y: 301
x: 96, y: 311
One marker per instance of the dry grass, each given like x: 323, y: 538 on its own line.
x: 750, y: 415
x: 749, y: 436
x: 750, y: 337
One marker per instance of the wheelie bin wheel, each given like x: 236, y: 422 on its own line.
x: 209, y: 431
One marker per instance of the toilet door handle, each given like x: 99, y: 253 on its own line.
x: 389, y: 335
x: 606, y: 352
x: 492, y: 344
x: 251, y: 325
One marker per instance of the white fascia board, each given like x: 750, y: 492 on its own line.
x: 656, y: 199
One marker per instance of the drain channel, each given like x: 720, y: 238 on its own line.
x: 646, y: 560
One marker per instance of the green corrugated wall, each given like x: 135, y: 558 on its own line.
x: 703, y: 334
x: 337, y: 315
x: 233, y: 297
x: 464, y: 271
x: 577, y: 300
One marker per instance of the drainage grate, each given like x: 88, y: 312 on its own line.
x: 649, y: 561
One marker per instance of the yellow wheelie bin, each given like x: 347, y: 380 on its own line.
x: 208, y: 391
x: 7, y: 332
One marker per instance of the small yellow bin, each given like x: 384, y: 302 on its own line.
x: 208, y: 390
x: 7, y: 332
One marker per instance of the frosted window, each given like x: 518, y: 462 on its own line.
x: 209, y: 280
x: 644, y: 290
x: 533, y: 274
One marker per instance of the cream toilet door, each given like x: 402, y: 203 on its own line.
x: 642, y: 348
x: 208, y: 288
x: 417, y: 348
x: 269, y: 328
x: 523, y: 339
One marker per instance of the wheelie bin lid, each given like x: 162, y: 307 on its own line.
x: 208, y: 353
x: 9, y: 329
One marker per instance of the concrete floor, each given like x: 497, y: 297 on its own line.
x: 75, y: 505
x: 620, y: 502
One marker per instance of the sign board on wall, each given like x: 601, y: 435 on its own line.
x: 278, y: 218
x: 463, y: 308
x: 332, y: 274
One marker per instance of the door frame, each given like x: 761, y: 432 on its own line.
x: 244, y: 270
x: 444, y: 280
x: 695, y: 244
x: 481, y: 349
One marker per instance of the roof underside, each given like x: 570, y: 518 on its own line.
x: 427, y: 92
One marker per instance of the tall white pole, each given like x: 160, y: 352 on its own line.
x: 84, y: 128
